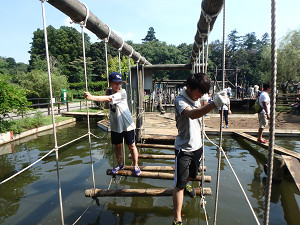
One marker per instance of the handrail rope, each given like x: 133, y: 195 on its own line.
x: 233, y: 171
x: 130, y: 84
x: 119, y: 56
x: 83, y: 212
x: 32, y: 164
x: 272, y: 113
x: 52, y: 111
x: 106, y: 57
x: 87, y: 103
x: 221, y: 122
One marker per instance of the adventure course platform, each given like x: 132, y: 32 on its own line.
x: 159, y: 131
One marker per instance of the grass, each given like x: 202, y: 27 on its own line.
x: 27, y: 123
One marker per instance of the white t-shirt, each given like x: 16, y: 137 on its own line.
x: 120, y: 116
x: 189, y: 130
x: 225, y: 106
x: 264, y: 97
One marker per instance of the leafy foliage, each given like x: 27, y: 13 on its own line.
x: 150, y: 35
x: 12, y: 98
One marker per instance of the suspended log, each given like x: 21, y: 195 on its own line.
x: 153, y: 175
x: 166, y: 67
x: 77, y: 12
x: 137, y: 192
x: 155, y: 146
x: 211, y: 7
x: 154, y: 156
x: 156, y: 168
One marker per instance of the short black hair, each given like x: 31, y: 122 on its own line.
x: 266, y: 86
x: 199, y: 81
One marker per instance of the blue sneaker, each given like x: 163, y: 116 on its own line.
x: 137, y: 170
x: 227, y: 127
x: 117, y: 168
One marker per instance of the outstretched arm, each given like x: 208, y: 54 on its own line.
x: 104, y: 98
x: 198, y: 112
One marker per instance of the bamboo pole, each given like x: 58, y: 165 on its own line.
x: 154, y: 156
x: 156, y: 168
x: 154, y: 175
x: 77, y: 12
x: 137, y: 192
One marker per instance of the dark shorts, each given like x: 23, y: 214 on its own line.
x: 186, y: 165
x: 117, y: 138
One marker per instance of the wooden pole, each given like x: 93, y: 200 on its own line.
x: 154, y: 175
x: 137, y: 192
x: 77, y: 12
x: 156, y: 168
x: 154, y: 156
x: 236, y: 81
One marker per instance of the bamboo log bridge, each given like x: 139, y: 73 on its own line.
x: 141, y: 156
x: 157, y: 168
x: 155, y: 146
x: 138, y: 192
x: 154, y: 175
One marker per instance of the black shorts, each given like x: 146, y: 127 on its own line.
x: 186, y: 165
x: 117, y: 138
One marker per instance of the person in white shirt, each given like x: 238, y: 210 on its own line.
x: 264, y: 114
x: 226, y: 110
x: 121, y: 121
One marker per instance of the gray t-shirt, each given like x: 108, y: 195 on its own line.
x: 120, y: 116
x: 189, y: 130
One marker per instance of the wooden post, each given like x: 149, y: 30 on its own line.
x: 139, y: 112
x: 67, y: 106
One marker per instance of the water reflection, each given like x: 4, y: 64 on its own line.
x: 32, y: 198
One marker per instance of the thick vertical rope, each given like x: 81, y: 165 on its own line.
x: 106, y: 57
x: 221, y: 122
x: 130, y: 83
x: 52, y: 112
x: 83, y: 25
x: 272, y: 112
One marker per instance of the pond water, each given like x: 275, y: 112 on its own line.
x: 32, y: 197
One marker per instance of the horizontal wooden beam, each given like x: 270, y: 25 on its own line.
x: 166, y: 67
x: 154, y: 175
x: 152, y: 156
x: 156, y: 168
x: 277, y: 149
x: 155, y: 146
x: 138, y: 192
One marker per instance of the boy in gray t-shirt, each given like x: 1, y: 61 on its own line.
x: 121, y: 121
x: 188, y: 144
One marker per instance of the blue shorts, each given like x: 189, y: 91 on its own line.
x: 117, y: 138
x: 186, y: 165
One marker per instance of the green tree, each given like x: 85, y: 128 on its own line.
x: 37, y: 84
x: 150, y: 36
x: 289, y: 59
x: 12, y: 98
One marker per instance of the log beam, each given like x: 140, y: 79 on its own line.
x: 154, y: 175
x: 138, y: 192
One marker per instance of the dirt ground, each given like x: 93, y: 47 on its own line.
x: 156, y: 123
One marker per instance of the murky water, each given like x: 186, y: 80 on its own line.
x: 32, y: 197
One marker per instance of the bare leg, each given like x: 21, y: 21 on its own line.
x: 134, y: 153
x: 118, y: 148
x: 260, y: 133
x: 177, y: 203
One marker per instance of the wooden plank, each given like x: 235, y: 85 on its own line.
x: 277, y: 149
x: 154, y: 175
x: 294, y: 167
x: 157, y: 168
x: 137, y: 192
x: 155, y: 146
x: 141, y: 156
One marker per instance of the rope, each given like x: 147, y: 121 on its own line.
x: 221, y: 122
x: 272, y: 112
x: 130, y: 84
x: 106, y: 40
x: 52, y: 111
x: 87, y: 104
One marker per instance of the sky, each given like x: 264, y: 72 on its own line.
x: 174, y: 21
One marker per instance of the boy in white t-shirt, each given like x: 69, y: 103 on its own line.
x: 264, y: 114
x: 121, y: 121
